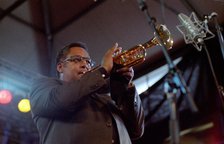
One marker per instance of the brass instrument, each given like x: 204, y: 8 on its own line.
x: 138, y: 53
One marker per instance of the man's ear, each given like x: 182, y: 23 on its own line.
x: 60, y: 67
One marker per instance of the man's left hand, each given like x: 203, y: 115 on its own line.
x: 126, y: 72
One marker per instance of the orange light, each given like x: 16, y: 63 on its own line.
x: 5, y: 97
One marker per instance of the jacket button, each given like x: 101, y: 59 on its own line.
x: 108, y: 124
x: 112, y: 141
x: 103, y: 75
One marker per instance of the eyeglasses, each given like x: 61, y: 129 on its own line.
x: 78, y: 59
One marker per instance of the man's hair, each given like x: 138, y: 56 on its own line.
x: 65, y: 50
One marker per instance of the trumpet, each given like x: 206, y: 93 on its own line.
x: 137, y: 54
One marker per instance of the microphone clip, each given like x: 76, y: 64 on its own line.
x: 210, y: 17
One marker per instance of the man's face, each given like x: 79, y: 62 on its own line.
x: 75, y: 64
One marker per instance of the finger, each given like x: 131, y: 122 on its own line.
x: 128, y: 75
x: 125, y: 69
x: 116, y: 49
x: 111, y: 51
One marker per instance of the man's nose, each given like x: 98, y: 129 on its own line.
x: 85, y: 64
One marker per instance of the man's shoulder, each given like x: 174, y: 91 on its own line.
x: 44, y: 80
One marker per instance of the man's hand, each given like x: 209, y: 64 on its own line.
x: 126, y: 72
x: 107, y: 61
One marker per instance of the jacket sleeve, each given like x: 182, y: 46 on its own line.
x: 130, y: 106
x: 53, y: 98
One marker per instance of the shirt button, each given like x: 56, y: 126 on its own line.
x: 135, y: 102
x: 112, y: 141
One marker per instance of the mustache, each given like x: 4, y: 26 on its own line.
x: 90, y: 70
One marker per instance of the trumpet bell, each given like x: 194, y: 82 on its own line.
x: 165, y: 36
x: 138, y: 53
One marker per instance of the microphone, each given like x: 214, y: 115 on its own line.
x: 193, y: 30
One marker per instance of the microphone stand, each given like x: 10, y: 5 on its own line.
x: 173, y: 82
x: 219, y: 87
x: 170, y: 89
x: 221, y: 41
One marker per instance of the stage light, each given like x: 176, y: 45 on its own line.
x: 5, y: 96
x: 24, y: 105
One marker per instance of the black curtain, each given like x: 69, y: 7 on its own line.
x: 196, y: 71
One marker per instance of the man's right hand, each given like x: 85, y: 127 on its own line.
x: 107, y: 61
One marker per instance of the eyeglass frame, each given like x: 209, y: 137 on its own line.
x: 78, y: 59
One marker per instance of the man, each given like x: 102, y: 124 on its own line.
x: 76, y: 109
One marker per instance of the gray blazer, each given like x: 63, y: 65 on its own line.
x: 79, y: 112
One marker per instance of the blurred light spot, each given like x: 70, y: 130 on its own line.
x: 24, y: 105
x: 5, y: 97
